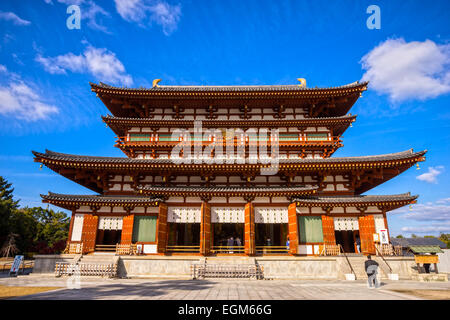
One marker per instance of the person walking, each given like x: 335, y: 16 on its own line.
x: 371, y: 267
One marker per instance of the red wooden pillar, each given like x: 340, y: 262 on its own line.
x: 328, y: 230
x: 127, y: 229
x: 205, y: 229
x: 366, y: 231
x: 161, y: 241
x: 89, y: 234
x: 249, y: 229
x: 293, y: 228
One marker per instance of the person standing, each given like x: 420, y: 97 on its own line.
x: 287, y: 243
x: 230, y: 244
x: 358, y: 244
x: 371, y: 267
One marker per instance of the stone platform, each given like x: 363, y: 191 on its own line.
x: 274, y: 267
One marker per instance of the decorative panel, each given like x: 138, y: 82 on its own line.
x: 346, y: 223
x: 127, y: 229
x: 184, y: 215
x: 271, y: 215
x: 328, y: 230
x: 77, y: 227
x: 227, y: 215
x: 89, y: 234
x: 366, y: 231
x: 379, y: 222
x: 110, y: 223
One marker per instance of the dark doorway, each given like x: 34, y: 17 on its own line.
x: 108, y: 237
x: 223, y: 231
x: 184, y: 234
x: 271, y: 234
x: 347, y: 239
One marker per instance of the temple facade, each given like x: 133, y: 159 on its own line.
x: 235, y: 170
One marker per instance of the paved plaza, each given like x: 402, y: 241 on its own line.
x: 92, y: 288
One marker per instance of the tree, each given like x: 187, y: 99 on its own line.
x: 7, y: 205
x: 445, y: 237
x: 52, y: 226
x: 399, y: 236
x: 9, y: 246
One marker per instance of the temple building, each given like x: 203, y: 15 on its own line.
x: 279, y: 191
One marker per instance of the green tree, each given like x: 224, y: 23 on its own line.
x: 23, y: 223
x: 399, y: 236
x: 52, y: 226
x: 7, y: 206
x: 445, y: 237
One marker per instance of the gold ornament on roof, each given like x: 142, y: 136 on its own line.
x: 302, y: 82
x: 155, y: 83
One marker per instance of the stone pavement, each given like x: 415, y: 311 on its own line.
x: 93, y: 288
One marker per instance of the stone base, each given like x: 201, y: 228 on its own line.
x: 426, y: 277
x: 274, y: 267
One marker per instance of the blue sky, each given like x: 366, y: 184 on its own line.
x: 45, y: 69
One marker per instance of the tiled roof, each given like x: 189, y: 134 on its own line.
x: 407, y: 242
x: 237, y: 88
x: 355, y: 199
x: 105, y: 199
x: 408, y: 154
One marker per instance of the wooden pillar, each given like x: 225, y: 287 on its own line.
x: 328, y: 230
x: 205, y: 229
x: 293, y: 228
x: 249, y: 229
x: 161, y: 241
x: 69, y: 237
x: 127, y: 229
x: 366, y: 231
x: 89, y: 233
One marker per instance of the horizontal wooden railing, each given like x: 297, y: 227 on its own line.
x: 188, y: 249
x: 105, y: 247
x: 227, y: 249
x: 226, y: 271
x: 272, y: 249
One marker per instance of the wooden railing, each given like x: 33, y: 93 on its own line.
x: 227, y: 249
x: 74, y: 248
x: 126, y: 249
x: 348, y: 261
x: 187, y: 249
x: 379, y: 253
x: 282, y: 143
x: 105, y: 247
x: 389, y: 249
x: 272, y: 249
x: 331, y: 250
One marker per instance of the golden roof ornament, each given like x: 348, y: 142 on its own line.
x: 155, y: 83
x: 302, y: 82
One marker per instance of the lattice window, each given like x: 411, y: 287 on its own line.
x: 346, y: 223
x: 227, y: 215
x: 110, y: 223
x: 184, y: 215
x: 271, y: 215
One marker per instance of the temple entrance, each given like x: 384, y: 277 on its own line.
x: 271, y: 237
x: 108, y: 237
x: 183, y: 237
x: 347, y: 239
x: 109, y: 233
x: 228, y: 238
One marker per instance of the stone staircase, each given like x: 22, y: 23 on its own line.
x: 89, y: 265
x: 227, y: 267
x: 357, y: 263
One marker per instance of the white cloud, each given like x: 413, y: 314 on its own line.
x: 438, y: 211
x: 10, y: 16
x: 431, y: 175
x: 148, y: 11
x: 429, y: 218
x: 100, y: 62
x: 428, y: 230
x: 20, y: 100
x: 408, y: 70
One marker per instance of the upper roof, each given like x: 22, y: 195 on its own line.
x: 139, y: 102
x: 105, y: 88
